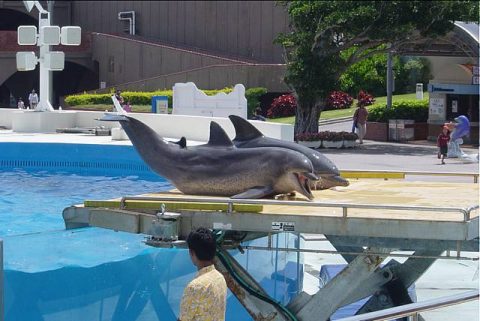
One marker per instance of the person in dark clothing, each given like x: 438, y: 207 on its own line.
x: 442, y: 143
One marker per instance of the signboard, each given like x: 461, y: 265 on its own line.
x: 283, y: 226
x: 476, y: 70
x: 475, y: 80
x: 454, y: 106
x: 437, y: 106
x: 160, y: 104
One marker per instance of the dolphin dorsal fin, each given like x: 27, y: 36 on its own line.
x: 218, y: 137
x: 243, y: 129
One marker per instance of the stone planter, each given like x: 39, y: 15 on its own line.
x: 333, y: 144
x: 377, y: 131
x: 348, y: 143
x: 310, y: 144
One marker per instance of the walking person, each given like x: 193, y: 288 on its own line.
x: 360, y: 121
x: 205, y: 297
x: 33, y: 99
x: 442, y: 143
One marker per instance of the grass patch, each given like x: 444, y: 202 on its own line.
x: 339, y: 113
x: 329, y: 114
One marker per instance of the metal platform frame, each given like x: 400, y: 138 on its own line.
x: 363, y: 242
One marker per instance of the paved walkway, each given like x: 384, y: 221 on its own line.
x: 408, y: 156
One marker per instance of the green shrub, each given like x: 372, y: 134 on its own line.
x: 406, y: 109
x: 134, y: 97
x: 253, y: 98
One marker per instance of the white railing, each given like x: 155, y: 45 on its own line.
x: 412, y: 309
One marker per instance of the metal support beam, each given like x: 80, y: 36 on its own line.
x: 328, y: 299
x: 258, y: 309
x: 389, y: 80
x: 404, y: 244
x: 395, y: 292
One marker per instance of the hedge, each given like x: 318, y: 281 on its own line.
x: 145, y: 98
x: 416, y: 110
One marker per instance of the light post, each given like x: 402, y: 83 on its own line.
x: 48, y: 60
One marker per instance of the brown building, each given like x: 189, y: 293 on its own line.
x: 212, y: 43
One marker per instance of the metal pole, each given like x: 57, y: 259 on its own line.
x: 389, y: 80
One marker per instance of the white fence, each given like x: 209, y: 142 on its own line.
x: 189, y: 100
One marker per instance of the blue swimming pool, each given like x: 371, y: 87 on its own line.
x: 92, y: 273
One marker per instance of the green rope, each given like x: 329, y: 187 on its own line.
x: 219, y: 235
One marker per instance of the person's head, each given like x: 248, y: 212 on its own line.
x: 19, y: 98
x: 118, y: 92
x: 445, y: 130
x: 33, y: 91
x: 201, y: 245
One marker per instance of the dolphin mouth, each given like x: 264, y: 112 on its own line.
x: 304, y: 182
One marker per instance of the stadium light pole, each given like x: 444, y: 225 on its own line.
x: 47, y: 60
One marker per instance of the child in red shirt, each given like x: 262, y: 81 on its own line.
x: 442, y: 143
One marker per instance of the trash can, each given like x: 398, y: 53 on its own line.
x: 400, y: 129
x: 160, y: 104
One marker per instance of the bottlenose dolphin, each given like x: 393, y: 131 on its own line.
x: 218, y: 167
x: 248, y: 136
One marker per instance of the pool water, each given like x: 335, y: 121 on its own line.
x: 32, y: 201
x: 93, y: 274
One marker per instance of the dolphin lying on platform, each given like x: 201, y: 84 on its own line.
x: 248, y: 136
x: 218, y: 167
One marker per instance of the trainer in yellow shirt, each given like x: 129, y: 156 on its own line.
x: 205, y: 297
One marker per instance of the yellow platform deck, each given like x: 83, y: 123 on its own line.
x: 378, y: 196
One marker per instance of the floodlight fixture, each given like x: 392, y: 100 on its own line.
x: 54, y: 60
x: 26, y: 60
x: 27, y: 35
x: 71, y: 36
x: 49, y: 35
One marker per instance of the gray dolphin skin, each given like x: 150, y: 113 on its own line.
x: 248, y: 136
x: 218, y: 167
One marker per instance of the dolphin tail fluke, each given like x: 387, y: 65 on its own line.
x: 255, y: 192
x: 243, y: 129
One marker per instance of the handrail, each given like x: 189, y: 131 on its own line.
x: 414, y: 308
x: 345, y: 206
x: 419, y: 173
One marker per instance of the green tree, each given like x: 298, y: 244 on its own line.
x: 329, y: 36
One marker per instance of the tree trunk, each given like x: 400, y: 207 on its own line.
x: 307, y: 115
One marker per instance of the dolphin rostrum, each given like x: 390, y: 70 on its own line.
x: 218, y: 167
x: 248, y: 136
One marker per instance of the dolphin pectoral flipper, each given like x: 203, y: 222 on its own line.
x: 256, y: 192
x: 182, y: 142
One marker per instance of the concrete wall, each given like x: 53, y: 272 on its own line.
x: 124, y: 61
x: 238, y: 28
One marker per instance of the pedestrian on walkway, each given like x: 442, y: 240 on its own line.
x: 442, y: 143
x: 33, y: 99
x: 205, y: 297
x: 360, y: 121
